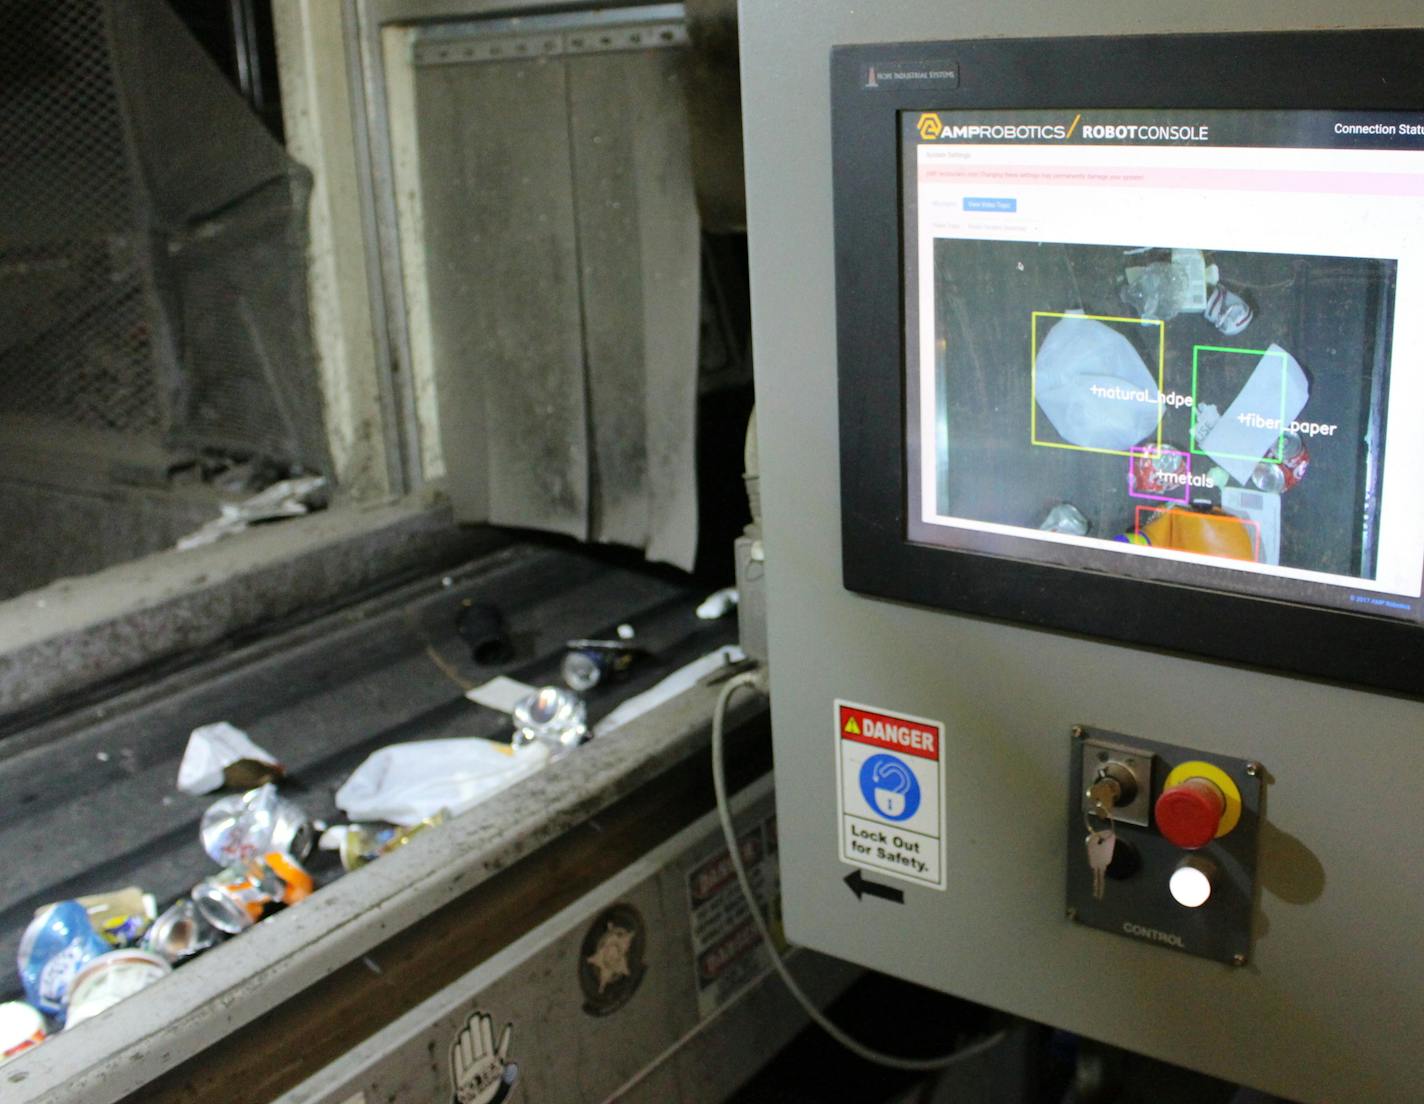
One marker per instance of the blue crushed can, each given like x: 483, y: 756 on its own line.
x: 59, y: 943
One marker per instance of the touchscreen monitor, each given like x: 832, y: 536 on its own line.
x: 1180, y: 346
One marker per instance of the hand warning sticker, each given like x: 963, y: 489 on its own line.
x: 891, y: 777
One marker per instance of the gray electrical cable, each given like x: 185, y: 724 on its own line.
x: 753, y: 680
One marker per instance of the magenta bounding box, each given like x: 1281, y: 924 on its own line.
x: 1152, y: 452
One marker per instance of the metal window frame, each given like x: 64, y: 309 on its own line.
x: 365, y: 23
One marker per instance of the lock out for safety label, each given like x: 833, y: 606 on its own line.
x: 890, y: 781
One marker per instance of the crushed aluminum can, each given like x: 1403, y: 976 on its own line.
x: 124, y: 930
x: 1157, y: 471
x: 235, y: 898
x: 553, y: 715
x: 590, y: 663
x: 111, y: 978
x: 59, y: 943
x: 21, y: 1027
x: 179, y: 933
x: 243, y: 826
x: 364, y: 843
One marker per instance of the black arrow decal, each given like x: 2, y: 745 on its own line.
x: 860, y: 884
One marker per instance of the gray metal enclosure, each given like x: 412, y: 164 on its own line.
x: 1331, y: 1005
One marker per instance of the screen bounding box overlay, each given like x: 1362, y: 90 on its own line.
x: 1170, y: 346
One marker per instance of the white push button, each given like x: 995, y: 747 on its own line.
x: 1190, y: 883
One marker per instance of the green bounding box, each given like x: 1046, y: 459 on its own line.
x: 1197, y: 350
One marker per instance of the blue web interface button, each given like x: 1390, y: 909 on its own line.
x: 990, y: 203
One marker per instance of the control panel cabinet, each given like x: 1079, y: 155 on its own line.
x: 1090, y: 359
x: 1181, y: 830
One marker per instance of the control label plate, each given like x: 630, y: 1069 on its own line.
x: 889, y: 784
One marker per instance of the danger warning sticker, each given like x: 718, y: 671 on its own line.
x: 889, y: 782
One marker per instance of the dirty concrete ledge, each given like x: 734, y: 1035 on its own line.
x: 74, y: 633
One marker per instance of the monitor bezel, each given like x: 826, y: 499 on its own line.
x: 1215, y: 71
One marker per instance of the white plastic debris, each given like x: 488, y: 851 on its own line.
x: 669, y: 687
x: 718, y: 604
x: 406, y: 783
x: 1092, y: 385
x: 287, y: 498
x: 212, y: 748
x: 1162, y: 290
x: 501, y: 692
x: 1262, y: 509
x: 1065, y: 518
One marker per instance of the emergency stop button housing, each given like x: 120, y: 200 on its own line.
x: 1205, y: 814
x: 1190, y: 813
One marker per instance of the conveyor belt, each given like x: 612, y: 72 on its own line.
x: 88, y: 802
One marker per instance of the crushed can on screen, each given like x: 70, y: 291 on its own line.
x: 59, y: 942
x: 238, y: 896
x: 1284, y: 466
x: 21, y: 1027
x: 1157, y: 471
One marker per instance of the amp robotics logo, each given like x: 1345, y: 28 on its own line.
x: 930, y: 126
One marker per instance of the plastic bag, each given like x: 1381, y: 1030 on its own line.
x: 406, y: 783
x: 1156, y: 291
x: 211, y: 749
x: 1092, y: 385
x: 1164, y: 289
x: 1065, y: 518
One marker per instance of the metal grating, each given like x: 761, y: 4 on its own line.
x: 152, y: 242
x: 75, y: 329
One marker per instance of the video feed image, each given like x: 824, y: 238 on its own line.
x: 1227, y: 404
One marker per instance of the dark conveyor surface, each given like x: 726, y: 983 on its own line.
x: 88, y: 802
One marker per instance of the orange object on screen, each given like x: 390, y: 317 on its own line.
x: 1210, y: 534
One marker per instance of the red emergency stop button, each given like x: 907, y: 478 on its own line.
x: 1189, y: 813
